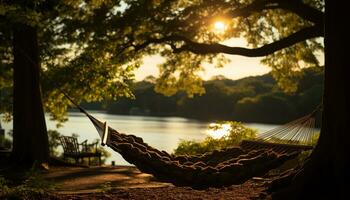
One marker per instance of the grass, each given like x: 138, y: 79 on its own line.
x: 33, y: 186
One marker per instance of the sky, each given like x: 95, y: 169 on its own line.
x: 238, y: 67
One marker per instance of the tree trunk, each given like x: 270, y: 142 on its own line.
x: 30, y: 140
x: 327, y: 173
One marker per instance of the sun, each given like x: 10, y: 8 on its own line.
x: 219, y: 26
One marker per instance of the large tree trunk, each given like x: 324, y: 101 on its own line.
x: 326, y: 175
x: 30, y: 140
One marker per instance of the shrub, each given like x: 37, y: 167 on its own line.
x: 104, y: 153
x: 54, y: 142
x: 233, y: 133
x: 33, y: 187
x: 5, y: 142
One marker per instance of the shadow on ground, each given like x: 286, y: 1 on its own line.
x: 94, y: 179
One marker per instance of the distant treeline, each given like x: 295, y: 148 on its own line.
x: 251, y: 99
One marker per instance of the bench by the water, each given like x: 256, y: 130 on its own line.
x: 75, y: 150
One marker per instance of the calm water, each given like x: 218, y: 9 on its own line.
x: 163, y: 133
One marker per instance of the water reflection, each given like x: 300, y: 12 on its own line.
x: 218, y: 131
x: 163, y: 133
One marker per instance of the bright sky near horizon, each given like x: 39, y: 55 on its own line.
x: 238, y: 67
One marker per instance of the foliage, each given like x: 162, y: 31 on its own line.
x: 237, y: 133
x: 36, y: 180
x: 3, y: 184
x: 73, y: 40
x: 217, y: 103
x: 104, y: 153
x: 54, y: 142
x: 89, y: 49
x: 267, y: 106
x: 258, y: 28
x: 34, y: 186
x: 251, y: 99
x: 5, y: 142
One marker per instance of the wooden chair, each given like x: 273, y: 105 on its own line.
x: 75, y: 150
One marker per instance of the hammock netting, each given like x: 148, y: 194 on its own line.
x: 219, y: 168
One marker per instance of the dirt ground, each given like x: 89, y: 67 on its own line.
x: 241, y: 192
x: 125, y: 182
x: 95, y: 179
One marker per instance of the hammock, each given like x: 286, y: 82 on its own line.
x: 219, y: 168
x: 293, y: 136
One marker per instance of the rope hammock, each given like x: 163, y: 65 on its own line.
x: 218, y: 168
x: 297, y: 135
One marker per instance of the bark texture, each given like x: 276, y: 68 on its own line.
x: 325, y: 175
x: 30, y: 140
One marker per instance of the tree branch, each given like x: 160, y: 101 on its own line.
x: 299, y: 36
x: 297, y: 6
x: 173, y: 38
x: 303, y: 10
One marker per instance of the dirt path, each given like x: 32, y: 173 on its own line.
x: 124, y: 182
x: 247, y: 191
x: 94, y: 179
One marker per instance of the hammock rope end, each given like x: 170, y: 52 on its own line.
x: 105, y: 134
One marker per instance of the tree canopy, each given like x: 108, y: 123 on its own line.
x: 89, y: 49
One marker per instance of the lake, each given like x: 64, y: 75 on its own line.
x: 163, y: 133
